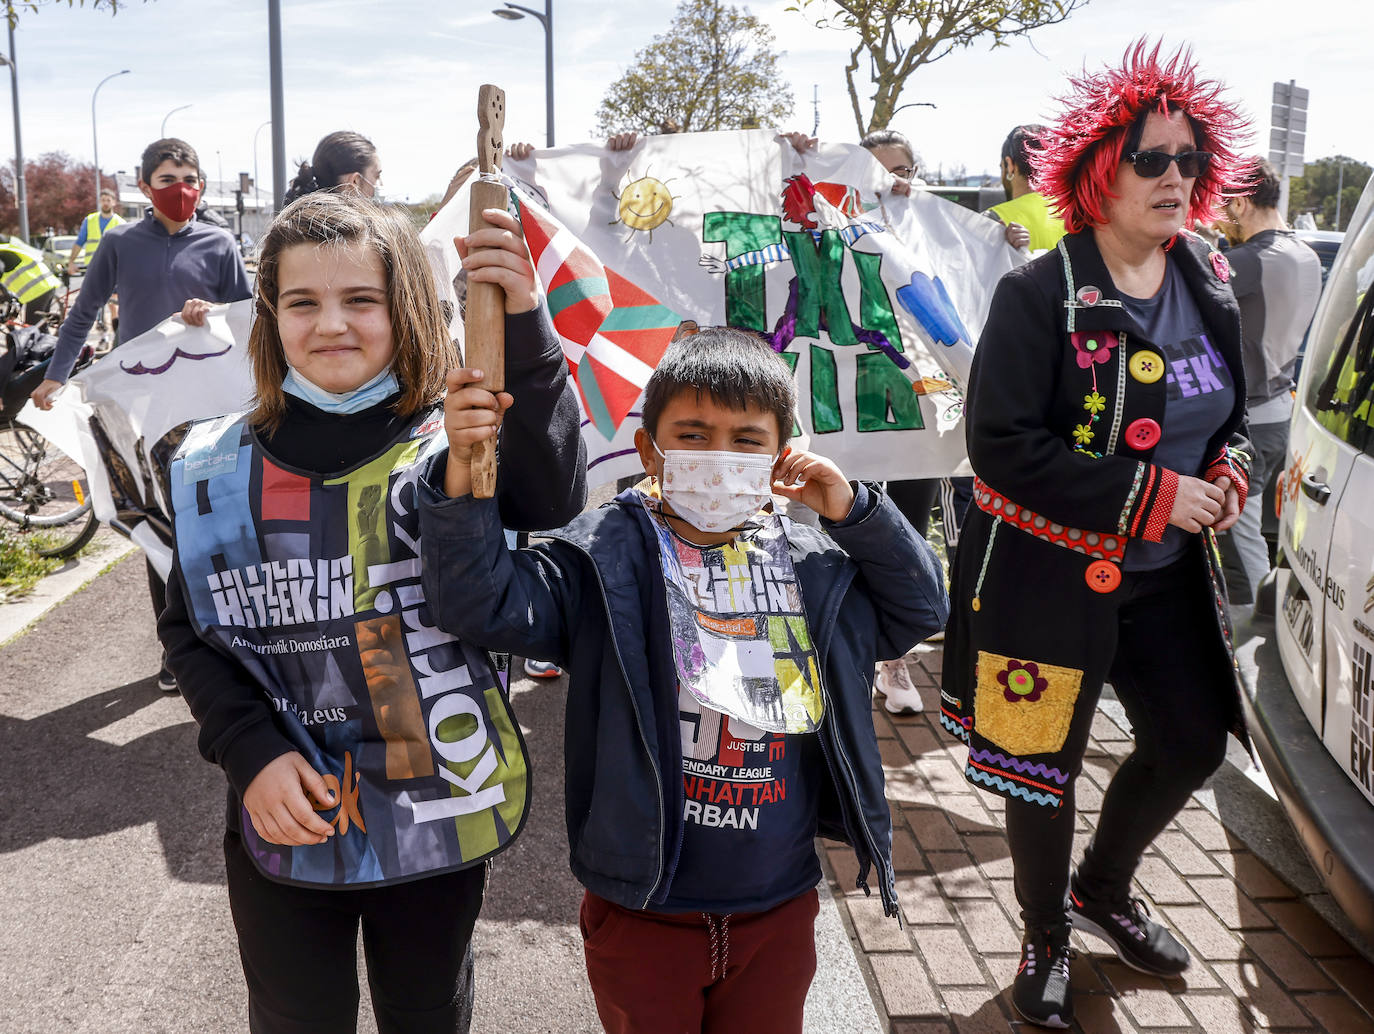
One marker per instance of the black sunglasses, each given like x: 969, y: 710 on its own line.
x: 1153, y: 164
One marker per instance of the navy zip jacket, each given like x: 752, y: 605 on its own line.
x: 592, y: 601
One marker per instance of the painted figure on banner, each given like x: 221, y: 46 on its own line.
x: 874, y: 299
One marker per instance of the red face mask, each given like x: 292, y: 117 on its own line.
x: 176, y: 201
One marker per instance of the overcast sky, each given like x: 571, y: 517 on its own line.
x: 405, y: 73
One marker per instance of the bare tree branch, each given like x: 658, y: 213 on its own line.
x: 901, y: 36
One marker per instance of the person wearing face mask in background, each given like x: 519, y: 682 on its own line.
x: 166, y: 263
x: 717, y: 708
x: 344, y: 161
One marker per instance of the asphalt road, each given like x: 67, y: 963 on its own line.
x: 116, y: 917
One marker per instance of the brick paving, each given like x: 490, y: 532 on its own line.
x: 1263, y: 961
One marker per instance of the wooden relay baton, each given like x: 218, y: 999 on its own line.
x: 484, y: 322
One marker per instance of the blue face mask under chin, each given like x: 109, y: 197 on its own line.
x: 378, y: 389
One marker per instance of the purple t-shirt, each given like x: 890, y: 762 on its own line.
x: 1200, y: 396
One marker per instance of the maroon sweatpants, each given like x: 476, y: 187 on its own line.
x: 653, y: 973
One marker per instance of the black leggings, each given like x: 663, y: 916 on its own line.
x: 298, y: 946
x: 1172, y: 675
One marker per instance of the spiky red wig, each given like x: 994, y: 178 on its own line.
x: 1082, y: 151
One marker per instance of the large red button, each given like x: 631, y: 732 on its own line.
x: 1142, y: 434
x: 1102, y: 576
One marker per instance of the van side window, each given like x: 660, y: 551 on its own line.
x: 1344, y: 398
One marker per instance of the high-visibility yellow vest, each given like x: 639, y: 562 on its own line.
x: 93, y: 232
x: 30, y: 279
x: 1033, y: 212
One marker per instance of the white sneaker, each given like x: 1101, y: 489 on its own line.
x: 541, y: 669
x: 893, y: 680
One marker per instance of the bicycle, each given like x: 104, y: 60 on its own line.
x: 104, y: 327
x: 41, y: 488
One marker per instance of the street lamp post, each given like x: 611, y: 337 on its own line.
x: 257, y: 193
x: 514, y: 12
x: 95, y: 135
x: 20, y: 195
x: 169, y: 114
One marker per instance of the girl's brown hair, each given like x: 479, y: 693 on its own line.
x: 424, y: 352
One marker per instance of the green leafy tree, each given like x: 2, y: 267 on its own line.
x: 1316, y: 189
x: 900, y: 36
x: 715, y: 68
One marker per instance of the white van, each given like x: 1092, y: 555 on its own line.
x: 1313, y: 720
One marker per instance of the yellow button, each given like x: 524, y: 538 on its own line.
x: 1146, y: 366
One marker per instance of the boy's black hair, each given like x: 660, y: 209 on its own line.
x: 736, y: 368
x: 167, y: 149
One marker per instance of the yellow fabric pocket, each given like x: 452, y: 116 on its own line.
x: 1024, y: 707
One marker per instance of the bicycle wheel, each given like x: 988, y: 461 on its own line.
x: 43, y: 489
x: 66, y: 540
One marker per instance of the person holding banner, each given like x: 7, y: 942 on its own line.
x: 167, y: 263
x: 343, y: 161
x: 1104, y: 406
x: 1025, y: 213
x: 373, y: 761
x: 718, y: 713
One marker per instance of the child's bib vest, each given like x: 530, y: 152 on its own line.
x: 312, y: 584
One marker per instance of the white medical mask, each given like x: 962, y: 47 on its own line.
x: 716, y: 491
x: 376, y: 188
x: 380, y: 387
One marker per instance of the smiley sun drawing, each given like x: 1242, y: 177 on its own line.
x: 644, y: 204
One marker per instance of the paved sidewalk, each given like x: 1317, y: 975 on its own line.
x: 109, y: 830
x: 1263, y: 959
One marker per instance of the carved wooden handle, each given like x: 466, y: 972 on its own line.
x: 485, y: 319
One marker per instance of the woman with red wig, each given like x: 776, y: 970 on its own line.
x: 1103, y: 414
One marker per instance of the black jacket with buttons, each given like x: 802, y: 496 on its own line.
x: 1022, y: 586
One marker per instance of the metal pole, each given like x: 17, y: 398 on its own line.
x: 95, y: 146
x: 20, y: 194
x: 1340, y: 185
x: 257, y: 191
x: 278, y: 105
x: 163, y: 132
x: 95, y: 136
x: 548, y: 70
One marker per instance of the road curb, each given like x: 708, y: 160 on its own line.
x: 106, y: 549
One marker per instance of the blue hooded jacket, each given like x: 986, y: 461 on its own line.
x: 592, y: 601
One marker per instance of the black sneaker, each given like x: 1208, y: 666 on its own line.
x: 166, y: 681
x: 1126, y: 925
x: 1040, y: 991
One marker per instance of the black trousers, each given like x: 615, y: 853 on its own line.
x: 915, y: 499
x: 299, y: 955
x: 1172, y: 676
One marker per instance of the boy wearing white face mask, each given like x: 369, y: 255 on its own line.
x: 718, y: 710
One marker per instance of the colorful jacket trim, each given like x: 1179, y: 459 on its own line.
x: 1090, y: 543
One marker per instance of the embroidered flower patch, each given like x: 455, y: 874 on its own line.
x: 1020, y: 680
x: 1023, y: 706
x: 1093, y: 346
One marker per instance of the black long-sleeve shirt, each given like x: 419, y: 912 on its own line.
x: 542, y: 485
